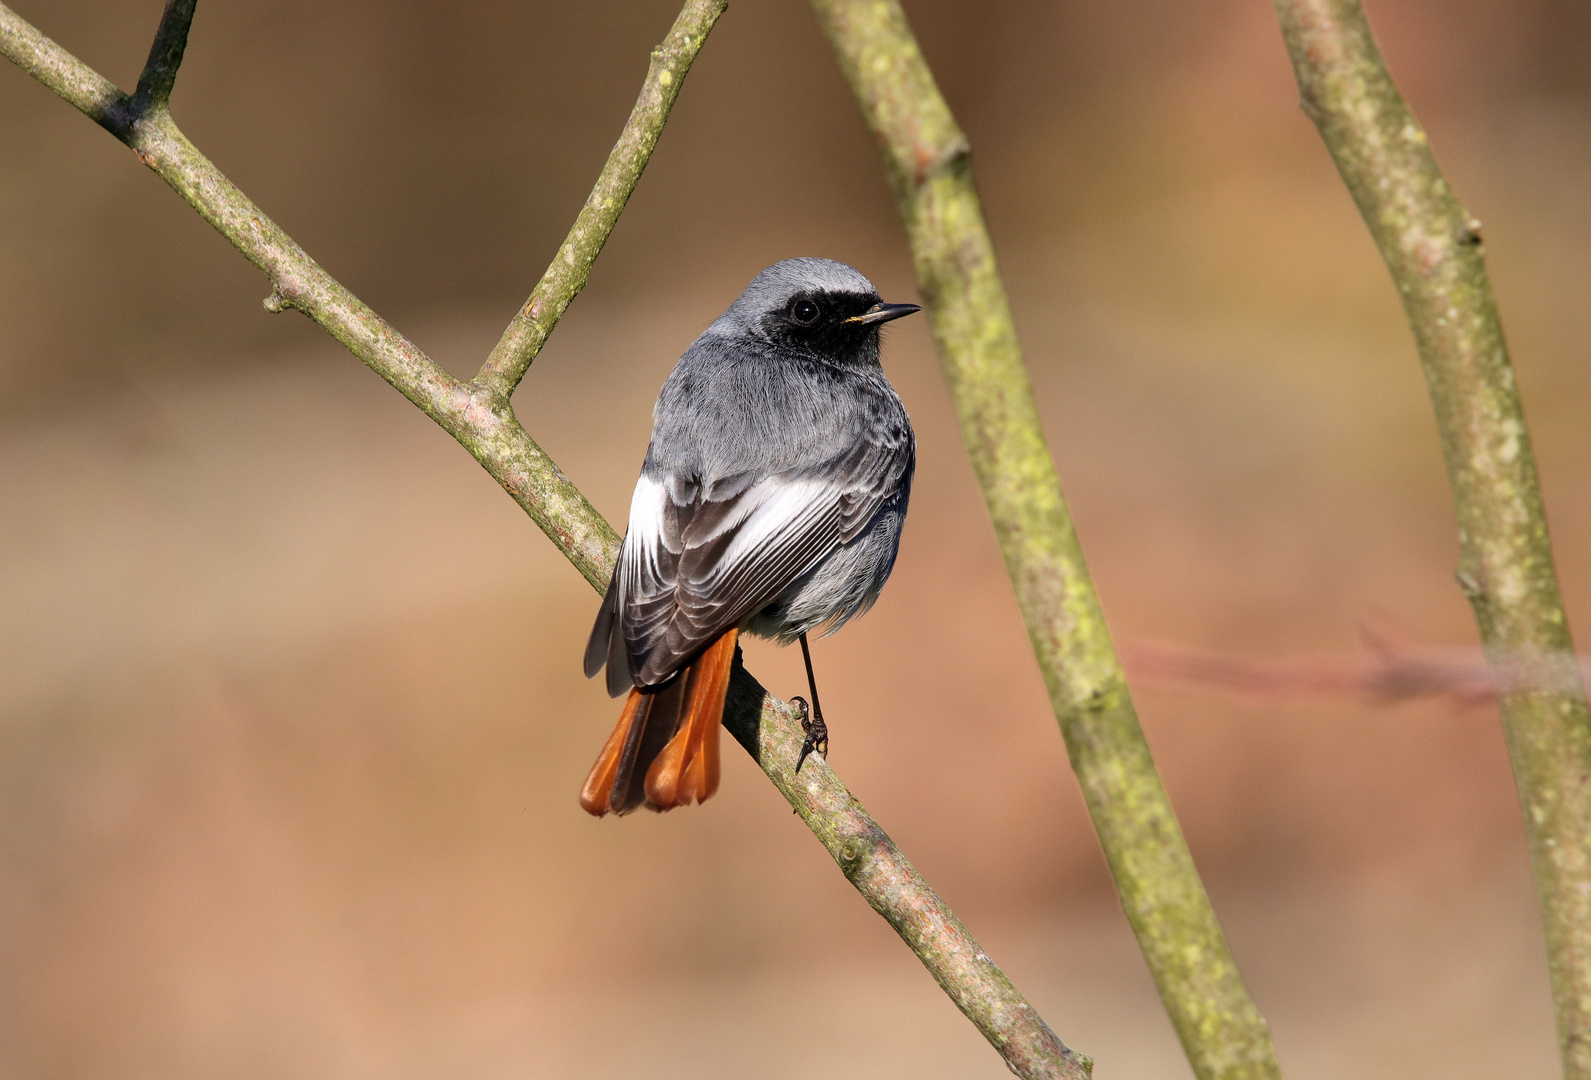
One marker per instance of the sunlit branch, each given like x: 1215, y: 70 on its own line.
x: 927, y: 161
x: 1432, y: 248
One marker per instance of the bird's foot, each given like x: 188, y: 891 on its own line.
x: 817, y: 733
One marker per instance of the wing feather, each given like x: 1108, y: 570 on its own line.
x: 698, y: 558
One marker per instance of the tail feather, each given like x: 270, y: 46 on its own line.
x: 687, y: 769
x: 657, y: 718
x: 663, y: 752
x: 596, y: 796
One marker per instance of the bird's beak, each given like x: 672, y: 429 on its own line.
x: 882, y: 313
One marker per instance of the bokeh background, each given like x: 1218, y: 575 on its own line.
x: 291, y: 718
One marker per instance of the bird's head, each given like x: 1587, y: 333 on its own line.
x: 816, y: 309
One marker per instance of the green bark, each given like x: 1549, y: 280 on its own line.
x: 927, y: 161
x: 1432, y: 248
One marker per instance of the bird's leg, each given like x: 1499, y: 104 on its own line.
x: 817, y: 731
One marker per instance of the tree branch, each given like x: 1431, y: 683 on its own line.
x: 927, y: 161
x: 165, y: 57
x: 567, y: 275
x: 476, y: 416
x: 1432, y: 248
x: 770, y: 733
x: 73, y: 81
x: 479, y: 415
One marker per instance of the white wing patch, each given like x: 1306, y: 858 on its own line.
x: 694, y: 565
x: 646, y: 511
x: 777, y: 507
x: 645, y: 535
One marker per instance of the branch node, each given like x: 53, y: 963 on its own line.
x: 1470, y: 582
x: 276, y: 303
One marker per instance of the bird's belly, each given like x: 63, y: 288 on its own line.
x: 843, y: 585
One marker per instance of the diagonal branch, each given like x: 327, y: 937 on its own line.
x: 478, y: 418
x: 926, y: 158
x: 165, y: 57
x: 567, y: 275
x: 479, y: 415
x: 1432, y: 248
x: 770, y: 733
x: 72, y: 80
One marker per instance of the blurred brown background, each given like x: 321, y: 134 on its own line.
x: 291, y: 721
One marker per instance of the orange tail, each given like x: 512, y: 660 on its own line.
x: 664, y: 751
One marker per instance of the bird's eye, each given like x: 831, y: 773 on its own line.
x: 804, y: 313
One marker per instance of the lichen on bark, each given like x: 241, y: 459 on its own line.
x: 928, y: 163
x: 1433, y: 250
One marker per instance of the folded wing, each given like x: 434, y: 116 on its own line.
x: 697, y: 559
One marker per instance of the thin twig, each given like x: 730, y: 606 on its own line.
x: 1381, y: 676
x: 165, y: 57
x: 1432, y: 248
x: 1393, y: 668
x: 927, y: 160
x: 567, y: 274
x: 479, y: 415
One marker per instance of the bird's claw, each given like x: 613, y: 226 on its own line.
x: 817, y: 733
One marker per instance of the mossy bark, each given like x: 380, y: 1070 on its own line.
x: 927, y: 160
x: 1432, y: 248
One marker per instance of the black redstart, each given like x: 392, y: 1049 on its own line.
x: 771, y: 501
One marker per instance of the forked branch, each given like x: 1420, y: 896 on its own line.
x: 479, y: 415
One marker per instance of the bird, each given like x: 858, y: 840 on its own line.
x: 770, y: 503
